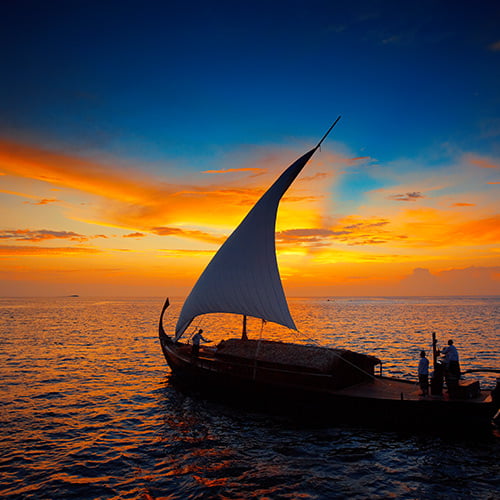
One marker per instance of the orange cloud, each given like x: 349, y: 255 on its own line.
x: 132, y: 200
x: 319, y: 176
x: 309, y: 236
x: 377, y: 243
x: 127, y: 199
x: 432, y: 228
x: 40, y: 235
x: 186, y: 233
x: 257, y: 171
x: 68, y: 171
x: 134, y: 235
x: 44, y: 201
x: 188, y: 253
x: 24, y: 195
x: 359, y: 159
x: 350, y: 231
x: 12, y: 250
x: 482, y: 162
x: 481, y: 231
x: 426, y: 231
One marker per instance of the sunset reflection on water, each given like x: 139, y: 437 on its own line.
x: 88, y: 411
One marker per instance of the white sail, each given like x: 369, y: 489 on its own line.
x: 243, y: 276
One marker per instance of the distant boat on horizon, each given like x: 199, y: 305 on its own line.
x: 243, y: 278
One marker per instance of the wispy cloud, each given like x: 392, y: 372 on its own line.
x: 433, y: 229
x: 256, y: 171
x: 187, y: 233
x: 14, y: 250
x: 350, y: 231
x: 40, y: 235
x: 319, y: 176
x: 308, y: 235
x: 134, y: 235
x: 44, y: 201
x: 413, y: 196
x: 479, y: 231
x: 358, y: 159
x: 128, y: 198
x: 147, y: 205
x: 187, y: 252
x: 415, y: 229
x: 482, y: 162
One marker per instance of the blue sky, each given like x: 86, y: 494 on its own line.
x: 155, y: 79
x: 171, y: 89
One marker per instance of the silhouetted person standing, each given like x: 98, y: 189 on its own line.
x: 197, y: 338
x: 423, y: 374
x: 451, y: 366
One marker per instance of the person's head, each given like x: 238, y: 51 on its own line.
x: 450, y: 342
x: 200, y: 331
x: 422, y: 354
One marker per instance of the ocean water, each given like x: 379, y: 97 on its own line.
x: 88, y: 410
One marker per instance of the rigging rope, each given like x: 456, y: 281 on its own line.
x: 317, y: 344
x: 258, y: 349
x: 384, y: 381
x: 195, y: 328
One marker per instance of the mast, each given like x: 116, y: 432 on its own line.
x: 244, y: 332
x: 434, y: 349
x: 327, y: 132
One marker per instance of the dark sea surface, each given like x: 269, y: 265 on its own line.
x: 87, y: 408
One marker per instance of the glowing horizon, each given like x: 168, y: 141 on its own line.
x: 320, y: 252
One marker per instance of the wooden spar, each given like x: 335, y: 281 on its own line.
x: 328, y: 131
x: 434, y: 350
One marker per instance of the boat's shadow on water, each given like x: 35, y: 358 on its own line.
x: 304, y: 413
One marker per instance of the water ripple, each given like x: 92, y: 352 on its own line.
x: 87, y: 409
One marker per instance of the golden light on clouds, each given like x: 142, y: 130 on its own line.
x: 14, y: 251
x: 483, y: 162
x: 133, y: 226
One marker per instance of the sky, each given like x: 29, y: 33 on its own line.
x: 135, y: 135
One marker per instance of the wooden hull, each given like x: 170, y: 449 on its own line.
x: 315, y: 396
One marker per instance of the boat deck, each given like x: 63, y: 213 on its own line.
x: 381, y: 388
x: 387, y: 388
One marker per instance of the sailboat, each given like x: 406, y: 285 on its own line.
x: 243, y: 278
